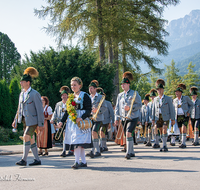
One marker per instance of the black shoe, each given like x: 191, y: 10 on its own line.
x: 40, y: 154
x: 164, y: 149
x: 148, y: 144
x: 123, y: 150
x: 182, y: 146
x: 90, y: 154
x: 135, y: 143
x: 105, y: 149
x: 75, y: 166
x: 101, y: 149
x: 132, y: 155
x: 63, y: 154
x: 82, y: 164
x: 195, y: 143
x: 172, y: 144
x: 70, y: 153
x: 21, y: 163
x: 145, y: 142
x: 45, y: 154
x: 36, y: 162
x: 156, y: 146
x: 127, y: 156
x: 97, y: 154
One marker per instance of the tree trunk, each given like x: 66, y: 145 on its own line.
x: 116, y: 79
x: 100, y: 24
x: 110, y: 51
x: 123, y: 58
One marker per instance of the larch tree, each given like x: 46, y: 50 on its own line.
x: 127, y: 28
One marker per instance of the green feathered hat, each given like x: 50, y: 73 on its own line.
x: 64, y: 90
x: 29, y: 74
x: 181, y: 87
x: 94, y: 83
x: 147, y: 97
x: 100, y: 91
x: 193, y: 90
x: 153, y: 92
x: 160, y: 83
x: 127, y: 77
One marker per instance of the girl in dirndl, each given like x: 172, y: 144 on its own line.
x: 73, y: 134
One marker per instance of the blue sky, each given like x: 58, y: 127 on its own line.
x: 17, y: 20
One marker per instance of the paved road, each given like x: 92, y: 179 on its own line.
x: 177, y: 169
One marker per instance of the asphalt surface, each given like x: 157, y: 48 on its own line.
x: 151, y: 169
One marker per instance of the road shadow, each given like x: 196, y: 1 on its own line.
x: 136, y: 170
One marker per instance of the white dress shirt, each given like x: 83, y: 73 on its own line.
x: 25, y: 95
x: 160, y: 103
x: 180, y: 110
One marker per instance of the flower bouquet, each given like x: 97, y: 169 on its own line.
x: 71, y: 108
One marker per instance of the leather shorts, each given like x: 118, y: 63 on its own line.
x: 160, y: 122
x: 28, y: 130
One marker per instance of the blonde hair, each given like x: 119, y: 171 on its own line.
x: 78, y: 80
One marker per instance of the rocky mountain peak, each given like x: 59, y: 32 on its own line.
x: 184, y: 31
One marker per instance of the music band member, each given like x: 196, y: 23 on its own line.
x: 123, y: 105
x: 195, y: 114
x: 183, y: 107
x: 154, y: 130
x: 81, y: 102
x: 96, y: 99
x: 145, y: 111
x: 108, y: 118
x: 30, y: 113
x: 58, y: 113
x: 162, y: 112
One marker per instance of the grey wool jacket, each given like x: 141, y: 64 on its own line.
x: 123, y: 99
x: 32, y: 108
x: 167, y: 109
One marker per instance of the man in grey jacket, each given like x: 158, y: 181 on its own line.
x: 162, y: 112
x: 146, y: 124
x: 96, y: 99
x: 30, y: 113
x: 125, y: 100
x: 58, y: 113
x: 183, y: 106
x: 154, y: 130
x: 108, y: 118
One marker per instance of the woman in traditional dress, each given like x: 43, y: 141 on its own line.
x: 44, y: 137
x: 79, y: 107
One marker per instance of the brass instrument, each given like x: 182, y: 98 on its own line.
x: 132, y: 102
x: 145, y: 131
x: 130, y: 110
x: 172, y: 129
x: 59, y: 132
x: 94, y: 117
x: 139, y: 127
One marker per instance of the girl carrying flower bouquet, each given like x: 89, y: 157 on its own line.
x: 79, y: 107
